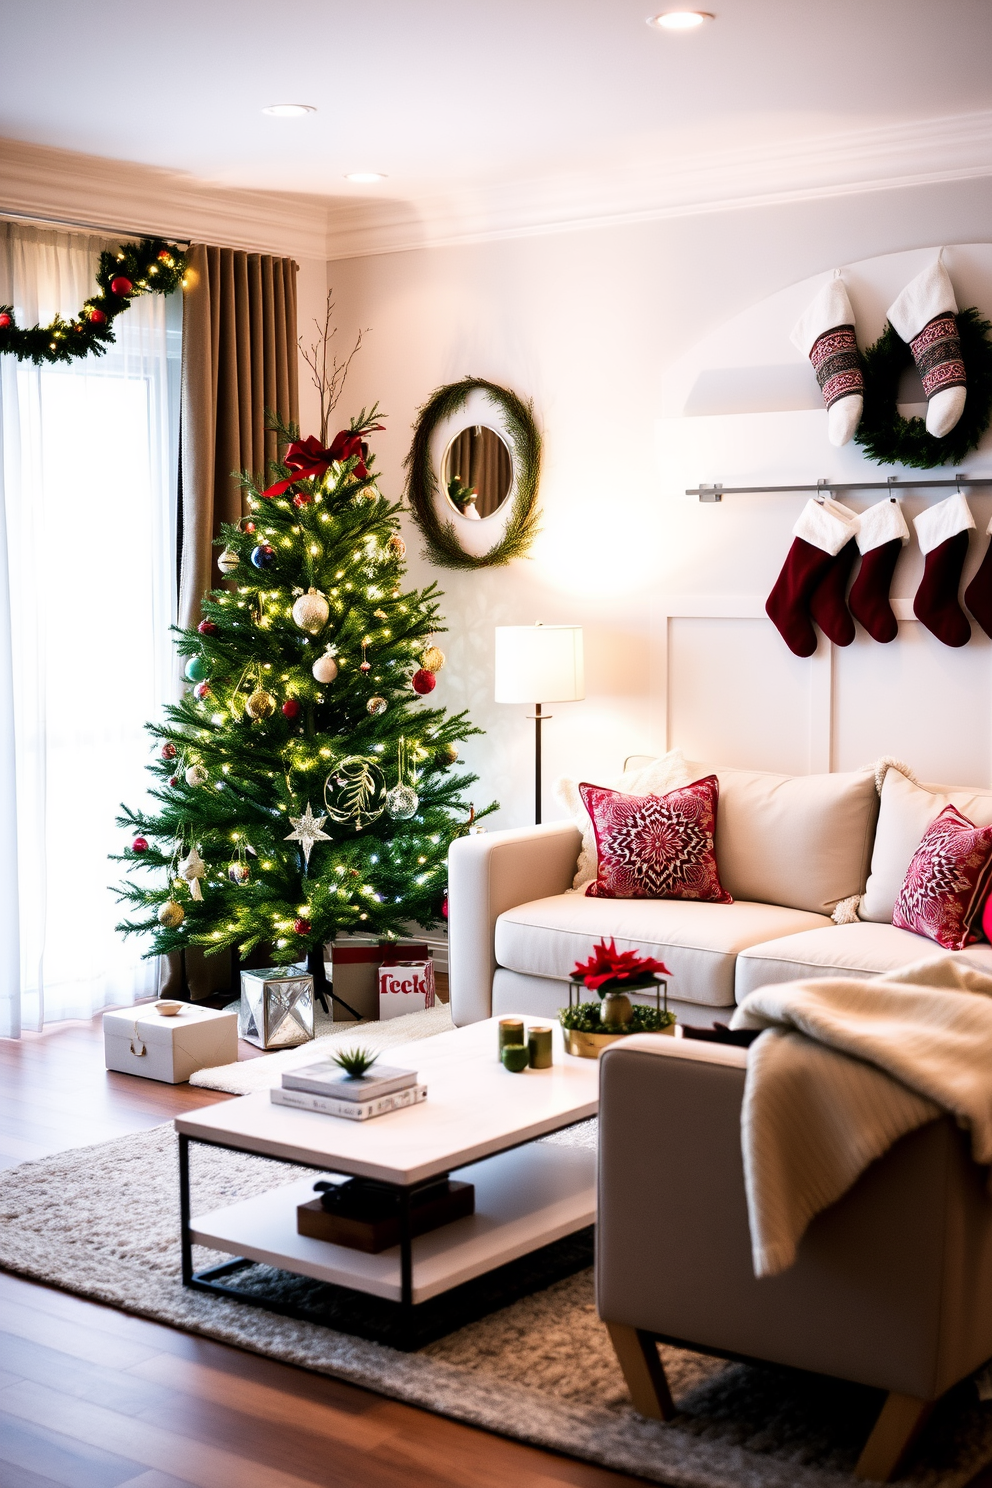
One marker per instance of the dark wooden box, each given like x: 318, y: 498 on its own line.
x: 440, y: 1205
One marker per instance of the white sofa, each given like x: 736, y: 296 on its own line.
x: 790, y: 849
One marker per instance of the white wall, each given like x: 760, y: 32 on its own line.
x: 588, y: 325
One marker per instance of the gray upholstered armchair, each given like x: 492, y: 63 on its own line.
x: 892, y: 1286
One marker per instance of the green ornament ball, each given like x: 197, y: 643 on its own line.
x: 197, y: 669
x: 515, y: 1057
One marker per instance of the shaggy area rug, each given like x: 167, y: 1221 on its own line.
x: 259, y: 1074
x: 102, y: 1222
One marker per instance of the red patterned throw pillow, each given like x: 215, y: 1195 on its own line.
x: 947, y: 881
x: 656, y: 847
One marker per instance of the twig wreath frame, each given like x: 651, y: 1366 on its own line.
x: 150, y: 266
x: 440, y: 537
x: 887, y: 437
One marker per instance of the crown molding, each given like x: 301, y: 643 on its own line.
x: 61, y: 186
x: 841, y: 163
x: 74, y: 190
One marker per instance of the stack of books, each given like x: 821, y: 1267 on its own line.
x: 326, y: 1088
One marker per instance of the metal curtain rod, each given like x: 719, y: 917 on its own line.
x: 824, y: 487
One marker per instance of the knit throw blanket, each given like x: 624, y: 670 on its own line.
x: 844, y: 1070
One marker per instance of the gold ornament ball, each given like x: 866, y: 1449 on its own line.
x: 325, y: 668
x: 171, y: 914
x: 228, y: 561
x: 449, y: 753
x: 376, y: 706
x: 197, y: 775
x: 432, y: 659
x: 311, y: 611
x: 260, y: 705
x: 397, y: 546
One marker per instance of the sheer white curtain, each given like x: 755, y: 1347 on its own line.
x: 87, y: 595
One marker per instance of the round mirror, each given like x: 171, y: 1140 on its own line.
x: 476, y: 472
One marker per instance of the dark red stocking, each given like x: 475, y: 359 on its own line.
x: 936, y: 603
x: 788, y: 604
x: 828, y: 603
x: 978, y: 595
x: 869, y: 597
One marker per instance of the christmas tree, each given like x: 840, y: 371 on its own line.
x: 304, y: 787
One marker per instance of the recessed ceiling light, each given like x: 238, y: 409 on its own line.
x: 289, y: 110
x: 365, y: 178
x: 680, y: 20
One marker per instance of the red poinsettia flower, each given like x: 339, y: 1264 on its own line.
x: 625, y: 968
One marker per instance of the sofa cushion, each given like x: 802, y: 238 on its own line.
x: 947, y: 882
x: 642, y: 776
x: 858, y: 950
x: 655, y: 847
x: 905, y: 813
x: 699, y: 942
x: 800, y: 840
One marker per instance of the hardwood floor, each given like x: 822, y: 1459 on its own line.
x: 93, y: 1398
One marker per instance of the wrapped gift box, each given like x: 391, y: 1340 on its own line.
x: 142, y: 1041
x: 405, y: 986
x: 276, y: 1009
x: 355, y: 962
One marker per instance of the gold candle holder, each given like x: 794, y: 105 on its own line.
x: 539, y: 1044
x: 511, y: 1031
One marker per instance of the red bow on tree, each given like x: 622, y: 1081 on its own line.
x: 306, y: 458
x: 607, y: 964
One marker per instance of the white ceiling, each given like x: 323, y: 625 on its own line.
x: 538, y: 100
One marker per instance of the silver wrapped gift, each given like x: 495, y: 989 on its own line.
x: 276, y: 1007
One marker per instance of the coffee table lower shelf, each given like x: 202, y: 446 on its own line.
x: 525, y: 1198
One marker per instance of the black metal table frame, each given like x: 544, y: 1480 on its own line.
x: 208, y: 1280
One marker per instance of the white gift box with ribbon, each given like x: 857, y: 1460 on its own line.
x: 143, y: 1041
x: 405, y: 987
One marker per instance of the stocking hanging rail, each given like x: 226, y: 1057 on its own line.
x: 826, y: 487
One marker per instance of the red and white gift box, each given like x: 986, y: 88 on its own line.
x: 405, y: 987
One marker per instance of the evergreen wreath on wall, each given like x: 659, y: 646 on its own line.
x: 441, y: 538
x: 887, y: 437
x: 151, y: 266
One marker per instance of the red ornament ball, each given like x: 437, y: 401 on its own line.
x: 168, y: 751
x: 290, y: 708
x: 444, y: 907
x: 140, y: 844
x: 98, y: 317
x: 423, y: 681
x: 121, y: 286
x: 174, y: 780
x: 207, y: 627
x: 5, y: 321
x: 302, y: 927
x: 164, y: 253
x: 201, y: 691
x: 302, y: 498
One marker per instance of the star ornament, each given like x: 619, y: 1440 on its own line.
x: 306, y: 831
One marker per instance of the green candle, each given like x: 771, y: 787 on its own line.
x: 539, y: 1044
x: 511, y: 1031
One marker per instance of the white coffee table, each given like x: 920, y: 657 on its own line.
x: 478, y: 1123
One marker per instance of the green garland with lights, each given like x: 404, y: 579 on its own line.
x: 442, y: 545
x: 151, y: 266
x: 888, y: 438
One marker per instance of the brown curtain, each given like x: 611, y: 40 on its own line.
x: 481, y: 461
x: 239, y: 358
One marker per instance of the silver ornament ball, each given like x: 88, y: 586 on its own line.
x: 377, y: 706
x: 311, y: 611
x: 197, y: 775
x: 325, y: 668
x: 228, y: 561
x: 401, y: 802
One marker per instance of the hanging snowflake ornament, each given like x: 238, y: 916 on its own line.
x: 193, y: 868
x: 306, y: 831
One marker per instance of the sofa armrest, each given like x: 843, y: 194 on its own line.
x: 490, y: 872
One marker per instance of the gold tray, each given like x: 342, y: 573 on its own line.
x: 591, y: 1045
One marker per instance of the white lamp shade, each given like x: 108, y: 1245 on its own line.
x: 539, y: 664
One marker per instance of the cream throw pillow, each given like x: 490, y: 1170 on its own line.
x: 905, y: 812
x: 654, y: 779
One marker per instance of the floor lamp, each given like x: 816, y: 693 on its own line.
x: 539, y: 661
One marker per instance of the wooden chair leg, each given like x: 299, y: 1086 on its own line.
x: 900, y: 1422
x: 637, y: 1354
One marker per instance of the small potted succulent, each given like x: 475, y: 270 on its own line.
x: 589, y: 1027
